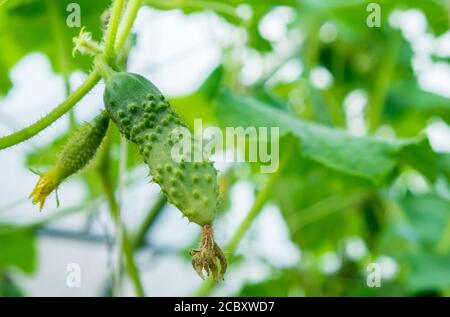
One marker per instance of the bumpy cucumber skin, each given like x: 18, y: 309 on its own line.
x: 82, y: 146
x: 144, y: 117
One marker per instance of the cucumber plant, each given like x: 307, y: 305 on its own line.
x: 144, y: 117
x: 323, y: 173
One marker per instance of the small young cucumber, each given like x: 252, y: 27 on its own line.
x: 75, y: 155
x: 145, y: 118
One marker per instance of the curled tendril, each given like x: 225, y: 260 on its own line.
x: 207, y: 258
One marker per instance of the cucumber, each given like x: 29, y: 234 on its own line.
x: 75, y: 155
x: 144, y: 117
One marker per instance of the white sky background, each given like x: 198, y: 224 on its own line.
x: 176, y: 52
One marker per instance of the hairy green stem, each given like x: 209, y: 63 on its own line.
x: 54, y: 115
x: 127, y: 22
x: 139, y: 237
x: 311, y: 60
x: 263, y: 80
x: 91, y: 81
x: 67, y: 89
x: 103, y: 68
x: 126, y: 245
x: 149, y: 220
x: 121, y: 235
x: 111, y: 31
x: 382, y: 82
x: 444, y: 243
x: 256, y: 208
x: 322, y: 209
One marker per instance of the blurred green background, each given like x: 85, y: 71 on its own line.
x: 364, y: 116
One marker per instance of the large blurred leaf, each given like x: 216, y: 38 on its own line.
x: 195, y: 106
x: 408, y: 94
x: 353, y: 12
x: 428, y: 272
x: 199, y: 105
x: 314, y: 200
x: 428, y: 215
x: 371, y: 158
x: 17, y: 249
x: 8, y: 288
x: 444, y: 164
x: 409, y: 108
x: 40, y: 25
x: 227, y: 9
x: 286, y: 283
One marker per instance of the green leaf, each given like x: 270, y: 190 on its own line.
x: 428, y: 214
x: 407, y: 94
x: 195, y: 106
x: 285, y: 283
x: 17, y: 249
x: 28, y: 26
x: 370, y: 158
x: 211, y: 84
x: 444, y: 164
x: 314, y: 200
x: 353, y: 12
x: 428, y: 272
x: 227, y: 10
x: 199, y: 105
x: 8, y: 288
x: 410, y: 108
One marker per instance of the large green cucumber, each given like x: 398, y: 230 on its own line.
x: 144, y: 117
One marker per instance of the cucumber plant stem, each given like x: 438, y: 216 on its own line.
x: 382, y: 82
x: 444, y: 243
x: 127, y: 22
x: 111, y: 31
x: 126, y: 245
x: 103, y: 68
x: 91, y: 81
x: 55, y: 114
x: 149, y: 220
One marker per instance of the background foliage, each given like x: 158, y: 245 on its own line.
x: 338, y: 190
